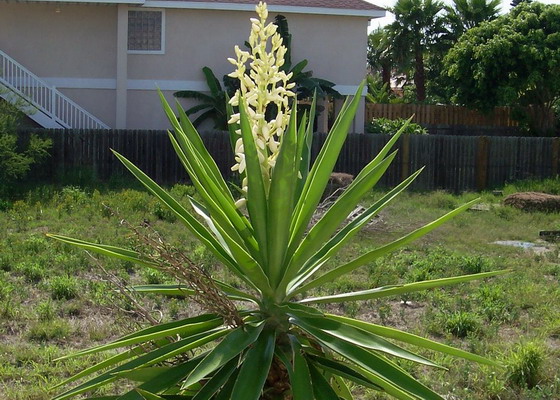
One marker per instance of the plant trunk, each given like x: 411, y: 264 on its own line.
x: 419, y: 78
x: 386, y: 74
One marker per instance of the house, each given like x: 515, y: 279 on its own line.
x: 98, y: 63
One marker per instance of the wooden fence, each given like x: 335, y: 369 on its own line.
x: 454, y: 163
x: 441, y: 114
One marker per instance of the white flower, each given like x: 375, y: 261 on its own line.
x: 263, y: 84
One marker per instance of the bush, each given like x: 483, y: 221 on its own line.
x: 63, y: 288
x: 387, y: 126
x: 462, y: 323
x: 16, y: 158
x: 49, y: 330
x: 525, y: 365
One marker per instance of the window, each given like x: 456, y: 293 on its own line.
x: 146, y: 32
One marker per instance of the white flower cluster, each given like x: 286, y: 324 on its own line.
x: 265, y: 84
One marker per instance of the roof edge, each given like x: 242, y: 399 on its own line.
x: 373, y: 13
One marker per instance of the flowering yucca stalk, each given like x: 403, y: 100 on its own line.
x: 276, y: 344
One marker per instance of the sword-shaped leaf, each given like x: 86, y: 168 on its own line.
x: 255, y: 368
x: 400, y: 289
x: 335, y: 273
x: 415, y: 340
x: 233, y: 344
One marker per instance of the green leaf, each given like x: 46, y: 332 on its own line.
x: 400, y: 289
x: 343, y: 370
x: 101, y: 365
x: 371, y: 362
x: 166, y: 290
x: 300, y: 378
x: 233, y: 344
x: 318, y: 178
x: 337, y: 213
x: 305, y: 142
x: 409, y: 338
x: 148, y: 396
x: 220, y: 205
x: 343, y: 236
x: 142, y: 374
x: 161, y: 382
x: 225, y: 393
x: 111, y: 251
x: 322, y: 390
x: 217, y: 381
x: 363, y: 339
x: 151, y: 358
x: 255, y: 368
x: 256, y: 192
x: 212, y: 81
x: 282, y: 186
x: 335, y: 273
x: 187, y: 328
x: 192, y: 223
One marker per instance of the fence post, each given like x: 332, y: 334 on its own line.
x: 555, y: 155
x: 482, y: 162
x: 405, y: 161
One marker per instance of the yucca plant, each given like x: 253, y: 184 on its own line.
x: 266, y: 340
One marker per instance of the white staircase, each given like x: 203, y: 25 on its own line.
x: 51, y: 109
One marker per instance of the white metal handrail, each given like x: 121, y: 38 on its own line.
x: 45, y: 98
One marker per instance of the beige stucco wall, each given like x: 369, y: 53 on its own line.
x: 80, y: 41
x: 335, y: 46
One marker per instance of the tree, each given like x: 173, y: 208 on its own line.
x: 515, y: 3
x: 379, y: 54
x: 418, y: 26
x: 511, y: 61
x: 466, y: 14
x: 16, y: 159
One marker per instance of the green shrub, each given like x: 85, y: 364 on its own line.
x: 46, y: 310
x: 163, y: 213
x: 462, y: 323
x: 475, y: 264
x: 49, y: 330
x: 525, y: 365
x: 17, y: 157
x: 32, y: 271
x: 387, y: 126
x: 63, y: 288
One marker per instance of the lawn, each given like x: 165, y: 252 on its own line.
x: 55, y: 299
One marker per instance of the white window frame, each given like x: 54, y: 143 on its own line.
x: 162, y: 51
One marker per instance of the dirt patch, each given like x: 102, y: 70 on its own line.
x: 534, y: 201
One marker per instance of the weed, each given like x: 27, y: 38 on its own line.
x: 525, y: 365
x: 32, y: 271
x: 63, y: 287
x: 46, y: 310
x: 462, y: 323
x: 475, y: 265
x: 162, y: 212
x: 49, y: 330
x: 154, y: 277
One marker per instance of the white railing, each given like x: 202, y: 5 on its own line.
x: 45, y: 98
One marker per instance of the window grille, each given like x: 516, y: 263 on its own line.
x: 145, y: 31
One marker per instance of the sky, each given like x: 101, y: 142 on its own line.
x: 389, y: 3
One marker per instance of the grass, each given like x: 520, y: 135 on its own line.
x: 54, y: 299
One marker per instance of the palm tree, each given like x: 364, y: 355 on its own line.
x: 466, y: 14
x: 418, y: 26
x: 379, y: 54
